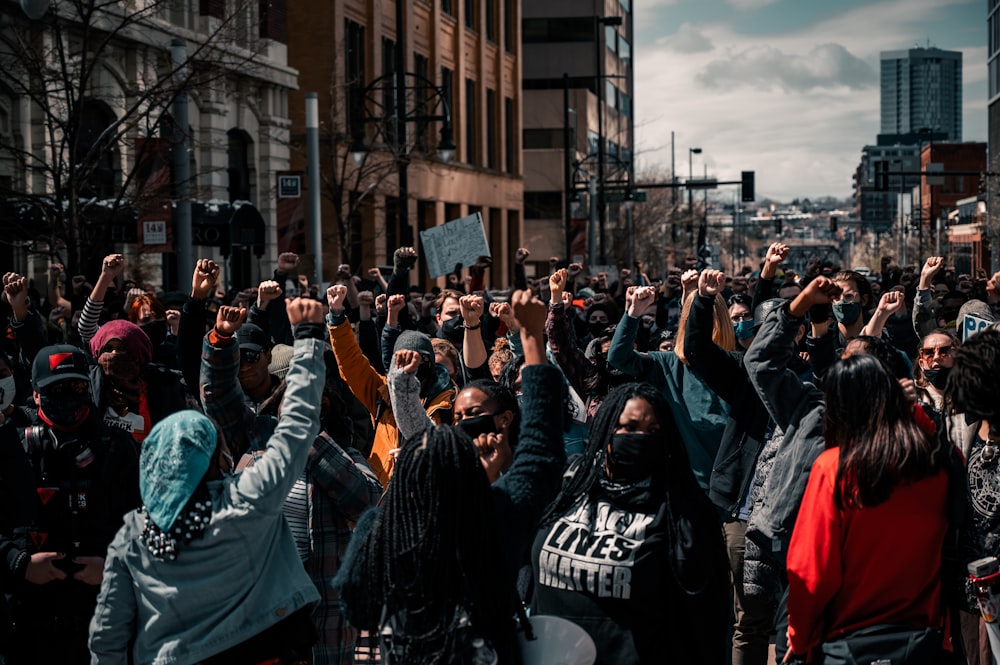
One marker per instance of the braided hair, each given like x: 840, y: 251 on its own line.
x: 433, y: 546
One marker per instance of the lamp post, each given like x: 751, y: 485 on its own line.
x: 691, y: 153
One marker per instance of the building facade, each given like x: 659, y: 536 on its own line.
x: 459, y: 55
x: 107, y: 136
x: 921, y: 88
x: 578, y: 126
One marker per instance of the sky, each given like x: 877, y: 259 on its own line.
x: 786, y: 88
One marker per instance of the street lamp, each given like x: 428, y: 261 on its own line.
x: 690, y: 225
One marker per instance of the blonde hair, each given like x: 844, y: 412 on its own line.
x: 722, y: 326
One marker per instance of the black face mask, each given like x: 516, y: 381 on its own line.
x: 635, y: 456
x: 596, y: 328
x: 453, y: 330
x: 65, y: 412
x: 481, y: 424
x: 156, y: 331
x: 937, y: 377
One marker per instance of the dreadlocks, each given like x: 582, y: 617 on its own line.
x: 433, y: 546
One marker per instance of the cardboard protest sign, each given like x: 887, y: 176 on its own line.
x: 461, y: 240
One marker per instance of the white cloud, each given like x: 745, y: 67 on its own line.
x: 749, y: 5
x: 687, y: 39
x: 826, y: 66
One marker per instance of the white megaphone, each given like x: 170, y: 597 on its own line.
x: 557, y: 641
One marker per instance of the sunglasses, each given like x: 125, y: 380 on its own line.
x: 250, y: 357
x: 928, y: 353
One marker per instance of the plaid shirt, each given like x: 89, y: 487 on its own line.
x: 341, y: 487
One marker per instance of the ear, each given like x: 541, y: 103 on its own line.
x: 506, y: 418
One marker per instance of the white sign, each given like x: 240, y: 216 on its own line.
x: 458, y: 241
x: 289, y: 187
x: 972, y: 325
x: 154, y: 233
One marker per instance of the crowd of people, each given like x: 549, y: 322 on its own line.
x: 691, y: 468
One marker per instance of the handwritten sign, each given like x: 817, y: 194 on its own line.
x: 972, y: 325
x: 461, y: 240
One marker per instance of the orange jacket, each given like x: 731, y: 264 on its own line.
x: 370, y: 388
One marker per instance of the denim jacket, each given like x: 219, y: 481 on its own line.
x: 243, y: 576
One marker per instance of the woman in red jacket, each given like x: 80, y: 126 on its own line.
x: 866, y: 549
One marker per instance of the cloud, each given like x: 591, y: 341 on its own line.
x: 826, y: 66
x: 687, y: 39
x: 749, y: 5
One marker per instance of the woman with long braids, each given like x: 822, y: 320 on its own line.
x: 631, y: 549
x: 433, y: 570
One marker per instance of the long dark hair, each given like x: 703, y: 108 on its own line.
x: 974, y: 380
x: 881, y: 444
x: 433, y: 545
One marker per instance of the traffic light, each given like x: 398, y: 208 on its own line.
x: 746, y: 186
x: 833, y: 224
x: 882, y: 176
x: 777, y: 226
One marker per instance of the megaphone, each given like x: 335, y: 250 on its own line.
x: 557, y: 641
x: 34, y: 9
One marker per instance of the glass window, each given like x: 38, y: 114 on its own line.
x: 593, y: 142
x: 470, y: 121
x: 611, y: 38
x: 470, y: 14
x: 491, y: 20
x: 492, y: 147
x: 624, y: 50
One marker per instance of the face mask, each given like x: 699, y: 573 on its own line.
x: 65, y: 413
x: 7, y: 390
x: 120, y: 367
x: 743, y: 330
x: 937, y: 377
x: 156, y: 331
x: 481, y: 424
x: 597, y: 327
x: 635, y: 456
x: 846, y: 312
x: 453, y: 330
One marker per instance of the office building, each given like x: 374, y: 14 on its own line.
x: 921, y: 89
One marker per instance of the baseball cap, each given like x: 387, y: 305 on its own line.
x: 253, y: 338
x: 58, y: 362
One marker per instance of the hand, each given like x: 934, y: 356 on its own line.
x: 404, y: 258
x: 629, y: 293
x: 553, y: 261
x: 229, y: 319
x: 711, y: 282
x: 573, y: 270
x: 642, y: 298
x: 494, y: 452
x: 504, y: 312
x: 288, y: 262
x: 909, y: 389
x: 173, y: 318
x: 472, y: 309
x: 57, y: 315
x: 40, y: 569
x: 80, y: 283
x: 820, y: 291
x: 335, y: 296
x: 112, y: 266
x: 303, y: 282
x: 530, y: 313
x: 567, y: 299
x: 891, y: 302
x: 15, y: 287
x: 374, y: 274
x: 521, y: 255
x: 396, y: 303
x: 886, y: 260
x: 408, y: 360
x: 932, y: 266
x: 483, y: 262
x: 776, y: 253
x: 267, y: 291
x: 557, y: 283
x: 380, y: 303
x: 689, y: 280
x: 304, y: 310
x: 366, y: 299
x: 624, y: 274
x: 92, y: 572
x: 344, y: 271
x: 204, y: 278
x: 55, y: 270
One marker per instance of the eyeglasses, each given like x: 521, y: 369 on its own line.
x: 928, y: 353
x: 249, y: 357
x: 740, y: 318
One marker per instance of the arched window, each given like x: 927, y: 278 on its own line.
x: 96, y: 151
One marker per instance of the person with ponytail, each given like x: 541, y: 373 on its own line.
x: 432, y: 571
x: 632, y: 549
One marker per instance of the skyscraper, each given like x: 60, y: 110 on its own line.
x: 922, y: 89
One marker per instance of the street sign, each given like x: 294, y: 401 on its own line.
x: 289, y: 186
x: 154, y: 233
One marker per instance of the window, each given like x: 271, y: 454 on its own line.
x: 491, y: 20
x: 624, y: 50
x: 423, y: 94
x: 246, y: 23
x: 543, y: 139
x: 470, y: 121
x: 182, y: 13
x: 543, y: 205
x: 447, y: 88
x: 611, y: 38
x: 625, y: 105
x: 593, y: 142
x: 510, y: 153
x: 389, y: 87
x: 354, y: 76
x: 447, y: 8
x: 610, y: 94
x: 492, y: 146
x: 508, y: 25
x: 100, y: 163
x: 471, y: 18
x: 240, y: 158
x: 569, y: 29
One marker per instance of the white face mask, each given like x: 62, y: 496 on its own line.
x: 7, y: 390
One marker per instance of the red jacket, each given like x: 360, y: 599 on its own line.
x: 853, y: 568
